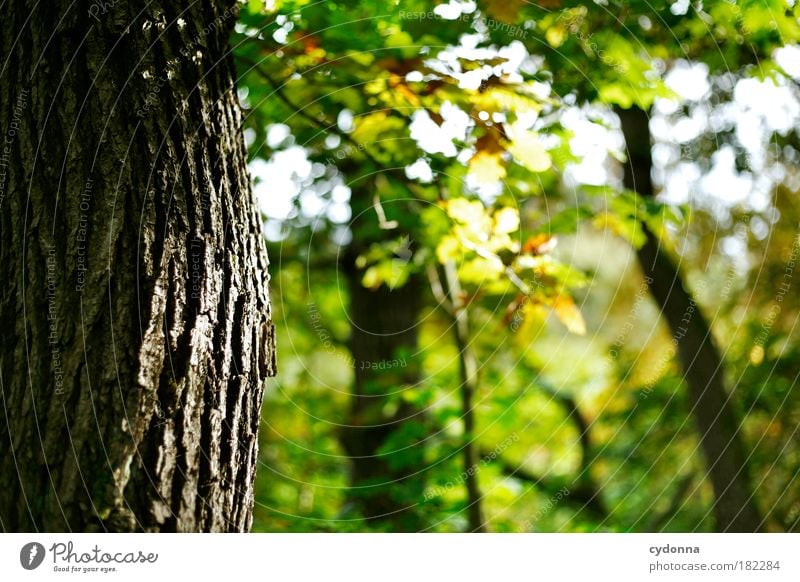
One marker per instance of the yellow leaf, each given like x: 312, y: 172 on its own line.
x: 466, y: 211
x: 528, y: 150
x: 487, y: 168
x: 529, y: 323
x: 399, y: 38
x: 521, y: 98
x: 370, y: 127
x: 481, y: 269
x: 447, y: 249
x: 393, y: 273
x: 569, y: 314
x: 396, y: 272
x: 372, y: 278
x: 556, y: 35
x: 757, y: 355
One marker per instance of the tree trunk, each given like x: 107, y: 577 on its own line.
x: 716, y: 419
x: 386, y: 484
x: 468, y: 371
x: 136, y: 325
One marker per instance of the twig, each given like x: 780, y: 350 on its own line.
x: 579, y: 495
x: 323, y: 124
x: 438, y: 290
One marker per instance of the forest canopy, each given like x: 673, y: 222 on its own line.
x: 532, y: 263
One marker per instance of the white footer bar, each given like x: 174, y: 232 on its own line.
x: 401, y: 557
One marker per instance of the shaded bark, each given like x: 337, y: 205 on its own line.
x: 711, y: 405
x: 386, y: 482
x: 136, y: 326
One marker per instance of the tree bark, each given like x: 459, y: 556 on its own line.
x: 716, y: 419
x: 136, y: 324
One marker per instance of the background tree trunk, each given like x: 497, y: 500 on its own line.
x: 712, y: 406
x: 136, y: 325
x: 383, y: 340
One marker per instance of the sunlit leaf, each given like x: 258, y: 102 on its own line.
x: 466, y: 211
x: 528, y: 150
x: 556, y: 35
x: 448, y: 249
x: 487, y: 168
x: 506, y: 220
x: 569, y: 314
x: 480, y: 270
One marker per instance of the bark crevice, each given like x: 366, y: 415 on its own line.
x: 143, y: 336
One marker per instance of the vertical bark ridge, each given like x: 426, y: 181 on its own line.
x: 136, y: 405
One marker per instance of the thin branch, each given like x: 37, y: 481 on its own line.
x: 575, y: 416
x: 322, y: 124
x: 383, y: 224
x: 438, y: 290
x: 583, y: 489
x: 325, y: 125
x: 580, y: 495
x: 469, y: 383
x: 512, y: 276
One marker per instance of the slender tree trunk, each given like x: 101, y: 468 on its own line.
x: 712, y: 407
x: 468, y: 370
x: 386, y: 484
x: 136, y: 326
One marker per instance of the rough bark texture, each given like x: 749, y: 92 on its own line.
x: 716, y: 419
x: 136, y: 326
x: 384, y: 329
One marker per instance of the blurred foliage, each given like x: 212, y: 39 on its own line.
x: 445, y: 123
